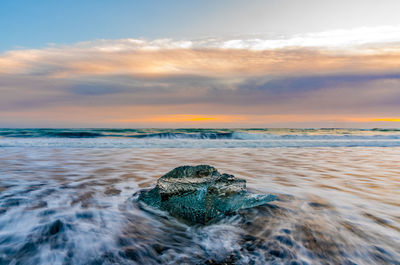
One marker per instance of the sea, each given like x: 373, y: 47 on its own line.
x: 70, y: 196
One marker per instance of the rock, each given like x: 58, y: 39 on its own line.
x: 200, y: 194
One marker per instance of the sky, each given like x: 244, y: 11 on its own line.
x: 227, y: 63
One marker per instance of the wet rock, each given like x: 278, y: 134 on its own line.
x: 200, y: 194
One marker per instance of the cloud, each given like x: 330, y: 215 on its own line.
x: 337, y: 39
x: 209, y: 79
x: 339, y: 50
x: 299, y: 84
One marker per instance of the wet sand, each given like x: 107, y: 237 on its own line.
x: 77, y: 206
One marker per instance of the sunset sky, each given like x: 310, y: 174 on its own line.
x: 229, y: 63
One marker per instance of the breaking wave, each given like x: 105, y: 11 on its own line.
x: 199, y: 138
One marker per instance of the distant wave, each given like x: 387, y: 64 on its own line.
x: 208, y: 134
x: 32, y: 133
x: 198, y: 138
x: 180, y: 135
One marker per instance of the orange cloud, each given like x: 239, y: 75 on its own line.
x: 90, y: 60
x: 231, y: 83
x: 183, y: 118
x: 150, y: 116
x: 250, y: 119
x: 386, y: 119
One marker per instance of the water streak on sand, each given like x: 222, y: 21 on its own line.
x: 75, y: 206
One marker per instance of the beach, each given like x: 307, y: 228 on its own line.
x: 72, y: 199
x: 200, y: 132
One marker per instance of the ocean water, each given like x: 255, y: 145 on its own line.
x: 69, y: 196
x: 198, y: 138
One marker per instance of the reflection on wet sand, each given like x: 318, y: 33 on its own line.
x: 77, y: 206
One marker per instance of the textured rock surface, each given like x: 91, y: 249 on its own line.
x: 200, y: 194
